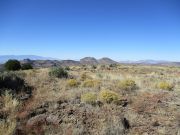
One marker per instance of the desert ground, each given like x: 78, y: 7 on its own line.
x: 115, y: 99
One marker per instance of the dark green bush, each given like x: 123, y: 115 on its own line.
x: 67, y: 68
x: 12, y: 65
x: 58, y: 72
x: 94, y: 66
x: 11, y: 81
x: 26, y: 66
x: 113, y: 65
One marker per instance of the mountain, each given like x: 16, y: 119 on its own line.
x: 84, y: 61
x: 89, y: 61
x: 106, y: 61
x: 145, y: 62
x: 4, y: 58
x: 50, y: 63
x: 152, y: 62
x: 38, y: 61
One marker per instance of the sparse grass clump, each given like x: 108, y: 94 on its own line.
x: 91, y: 83
x: 89, y: 98
x: 9, y: 104
x: 58, y: 72
x: 165, y: 86
x: 108, y: 96
x: 127, y: 84
x: 84, y: 77
x: 8, y: 125
x: 72, y: 83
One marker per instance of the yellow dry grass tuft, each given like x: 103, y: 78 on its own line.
x: 108, y: 96
x: 127, y: 84
x: 91, y: 83
x: 89, y: 98
x: 72, y: 83
x: 8, y: 125
x: 10, y: 104
x: 165, y: 86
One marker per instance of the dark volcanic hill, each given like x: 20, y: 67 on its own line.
x: 89, y: 61
x: 52, y: 63
x: 106, y: 61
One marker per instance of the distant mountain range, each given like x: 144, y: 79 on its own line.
x: 84, y: 61
x: 38, y: 61
x: 152, y: 62
x: 145, y: 62
x: 4, y: 58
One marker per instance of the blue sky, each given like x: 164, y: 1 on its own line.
x: 72, y: 29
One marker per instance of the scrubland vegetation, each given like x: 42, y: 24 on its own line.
x: 91, y: 100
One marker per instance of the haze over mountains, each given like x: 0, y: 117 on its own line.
x: 39, y: 61
x: 4, y: 58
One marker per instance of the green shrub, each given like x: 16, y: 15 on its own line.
x: 26, y: 66
x: 108, y: 96
x: 12, y: 65
x: 67, y: 68
x: 165, y: 86
x: 91, y: 83
x: 127, y: 84
x: 89, y: 98
x: 94, y: 66
x: 113, y: 65
x: 72, y: 83
x: 58, y: 72
x: 9, y: 80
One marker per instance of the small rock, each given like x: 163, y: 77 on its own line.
x: 70, y: 112
x: 156, y: 124
x: 38, y: 112
x: 125, y: 123
x: 25, y: 97
x: 52, y: 119
x: 99, y: 103
x: 39, y: 119
x: 44, y: 105
x: 122, y: 102
x: 63, y: 106
x: 76, y: 101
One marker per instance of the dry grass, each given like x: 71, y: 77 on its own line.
x: 10, y: 104
x: 8, y: 125
x: 89, y: 98
x: 72, y: 83
x: 108, y: 96
x: 149, y: 111
x: 91, y: 83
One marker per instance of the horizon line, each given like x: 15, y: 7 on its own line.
x: 77, y: 59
